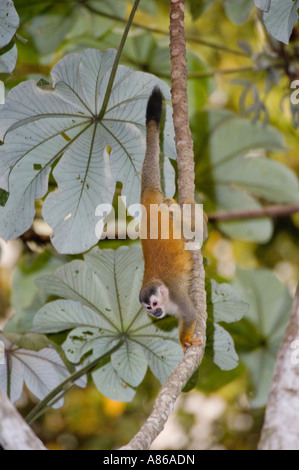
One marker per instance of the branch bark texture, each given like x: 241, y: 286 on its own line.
x: 267, y: 211
x: 165, y: 401
x: 15, y: 434
x: 184, y: 147
x: 183, y: 140
x: 280, y: 430
x: 170, y: 391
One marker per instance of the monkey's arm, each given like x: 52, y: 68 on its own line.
x: 186, y: 315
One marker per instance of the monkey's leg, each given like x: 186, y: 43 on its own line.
x: 187, y: 325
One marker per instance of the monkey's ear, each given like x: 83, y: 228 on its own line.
x: 164, y: 290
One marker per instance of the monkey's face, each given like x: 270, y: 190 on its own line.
x: 154, y: 297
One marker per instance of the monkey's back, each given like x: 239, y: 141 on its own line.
x: 164, y: 258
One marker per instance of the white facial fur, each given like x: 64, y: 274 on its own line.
x: 161, y: 301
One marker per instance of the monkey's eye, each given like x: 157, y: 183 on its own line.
x: 148, y: 308
x: 155, y: 304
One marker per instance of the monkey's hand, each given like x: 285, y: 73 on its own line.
x: 190, y: 341
x: 187, y: 326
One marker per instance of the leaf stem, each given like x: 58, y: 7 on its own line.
x: 151, y: 29
x: 50, y: 405
x: 42, y: 406
x: 117, y: 58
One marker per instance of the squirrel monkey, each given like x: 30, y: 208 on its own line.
x: 167, y: 264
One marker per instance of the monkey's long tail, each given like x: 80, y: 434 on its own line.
x: 150, y: 176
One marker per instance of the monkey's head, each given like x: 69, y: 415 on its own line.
x: 154, y: 297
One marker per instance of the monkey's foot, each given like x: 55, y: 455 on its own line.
x: 191, y: 342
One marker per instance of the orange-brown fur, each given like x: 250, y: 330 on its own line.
x: 166, y: 260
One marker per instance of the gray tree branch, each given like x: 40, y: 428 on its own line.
x: 15, y: 434
x: 280, y: 430
x: 170, y: 391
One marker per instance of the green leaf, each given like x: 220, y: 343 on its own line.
x: 212, y: 379
x: 67, y: 20
x: 41, y: 29
x: 142, y: 48
x: 226, y: 303
x: 3, y: 197
x: 9, y: 22
x: 260, y: 364
x: 230, y: 198
x: 130, y: 363
x: 238, y: 10
x: 71, y: 21
x: 26, y: 298
x: 281, y: 18
x: 32, y: 341
x: 225, y: 355
x: 264, y: 293
x: 109, y: 383
x: 235, y: 173
x: 39, y: 367
x: 263, y: 4
x: 197, y: 7
x: 262, y: 329
x: 101, y: 305
x: 8, y: 60
x: 39, y: 125
x: 159, y: 354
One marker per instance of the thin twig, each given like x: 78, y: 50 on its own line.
x: 211, y: 73
x: 117, y: 58
x: 268, y: 211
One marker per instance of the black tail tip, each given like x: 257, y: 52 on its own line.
x: 154, y: 106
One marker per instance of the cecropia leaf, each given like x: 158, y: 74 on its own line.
x: 42, y: 126
x: 41, y: 370
x: 9, y: 22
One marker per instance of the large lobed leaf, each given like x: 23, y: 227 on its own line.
x: 39, y: 126
x: 103, y: 306
x: 259, y: 334
x: 9, y: 23
x: 100, y: 305
x: 280, y: 18
x: 236, y: 174
x: 238, y: 10
x: 30, y: 359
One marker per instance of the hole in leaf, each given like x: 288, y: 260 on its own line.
x: 3, y: 197
x: 108, y: 149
